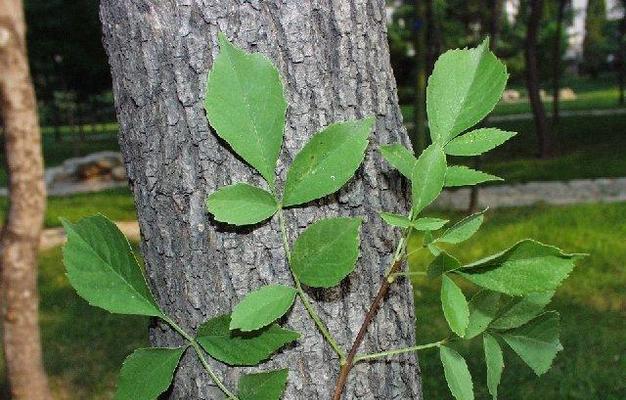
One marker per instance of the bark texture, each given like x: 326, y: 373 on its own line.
x: 20, y: 235
x: 334, y: 60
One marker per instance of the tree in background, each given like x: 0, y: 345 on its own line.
x: 532, y: 77
x: 19, y: 241
x: 557, y: 56
x: 594, y: 44
x: 334, y: 60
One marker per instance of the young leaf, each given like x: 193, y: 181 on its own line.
x: 477, y: 142
x: 246, y: 106
x: 241, y: 349
x: 241, y: 204
x: 428, y: 224
x: 463, y: 230
x: 428, y: 176
x: 103, y: 270
x: 327, y: 161
x: 464, y: 87
x: 147, y: 373
x: 262, y: 307
x: 326, y: 252
x: 527, y: 267
x: 483, y: 308
x: 458, y: 175
x: 263, y: 386
x: 495, y: 363
x: 537, y: 342
x: 454, y: 306
x: 520, y: 310
x: 400, y: 158
x: 400, y: 221
x: 457, y: 374
x: 442, y: 263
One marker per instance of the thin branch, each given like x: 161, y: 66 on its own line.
x: 388, y: 353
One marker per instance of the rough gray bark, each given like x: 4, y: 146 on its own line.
x: 334, y: 59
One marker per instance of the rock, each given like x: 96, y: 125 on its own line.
x: 567, y: 94
x: 118, y: 173
x: 511, y: 96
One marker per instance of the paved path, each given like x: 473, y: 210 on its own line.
x: 563, y: 113
x: 603, y: 190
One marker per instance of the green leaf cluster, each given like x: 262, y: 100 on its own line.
x: 246, y: 107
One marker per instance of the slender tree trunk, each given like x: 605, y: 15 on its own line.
x: 422, y: 9
x: 494, y: 30
x: 20, y: 235
x: 532, y: 78
x: 556, y: 59
x: 621, y: 64
x: 334, y: 60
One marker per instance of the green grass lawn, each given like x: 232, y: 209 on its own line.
x: 116, y: 204
x: 84, y: 346
x: 592, y: 303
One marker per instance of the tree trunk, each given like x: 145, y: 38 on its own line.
x: 334, y: 60
x: 621, y: 53
x: 556, y: 59
x: 422, y: 9
x: 532, y: 78
x: 493, y: 30
x: 20, y: 235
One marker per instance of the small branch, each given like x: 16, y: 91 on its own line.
x: 346, y: 367
x: 303, y: 296
x: 203, y: 360
x: 392, y: 277
x: 388, y: 353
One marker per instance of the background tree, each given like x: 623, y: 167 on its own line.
x: 594, y: 43
x: 335, y: 64
x: 19, y: 240
x: 557, y: 59
x: 532, y: 78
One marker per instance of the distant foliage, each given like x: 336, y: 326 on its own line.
x: 246, y: 107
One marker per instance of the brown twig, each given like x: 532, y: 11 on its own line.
x: 369, y: 317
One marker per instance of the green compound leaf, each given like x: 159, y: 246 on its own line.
x: 483, y: 308
x: 454, y: 305
x: 463, y: 230
x: 263, y: 386
x: 428, y: 224
x: 464, y: 87
x: 527, y: 267
x: 326, y: 252
x: 428, y: 177
x: 246, y: 106
x: 327, y: 161
x: 519, y: 310
x: 477, y: 142
x: 103, y: 270
x: 457, y: 374
x: 400, y: 158
x: 495, y: 363
x: 241, y: 204
x: 442, y: 263
x: 459, y: 175
x: 400, y: 221
x: 147, y: 373
x: 537, y: 342
x: 262, y: 307
x: 238, y: 348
